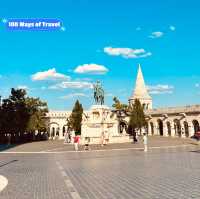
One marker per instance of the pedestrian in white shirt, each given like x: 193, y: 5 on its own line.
x: 145, y: 141
x: 66, y: 138
x: 106, y: 137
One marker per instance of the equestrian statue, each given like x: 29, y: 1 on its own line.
x: 98, y: 93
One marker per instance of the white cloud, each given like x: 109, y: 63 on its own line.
x: 172, y: 28
x: 23, y: 87
x: 127, y: 52
x: 160, y: 89
x: 197, y: 85
x: 50, y: 74
x: 72, y: 85
x: 91, y: 68
x: 83, y: 79
x: 156, y: 34
x: 72, y: 95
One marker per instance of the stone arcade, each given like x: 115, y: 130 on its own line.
x: 172, y: 121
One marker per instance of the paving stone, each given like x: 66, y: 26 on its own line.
x: 58, y: 145
x: 129, y: 174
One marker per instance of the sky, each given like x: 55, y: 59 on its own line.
x: 103, y: 40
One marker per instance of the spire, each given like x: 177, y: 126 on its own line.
x: 140, y: 91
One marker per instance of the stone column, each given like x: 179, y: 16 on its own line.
x: 60, y: 132
x: 149, y: 129
x: 165, y: 130
x: 172, y: 129
x: 191, y: 128
x: 182, y: 129
x: 156, y: 129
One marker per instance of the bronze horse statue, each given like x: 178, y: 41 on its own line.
x: 98, y: 93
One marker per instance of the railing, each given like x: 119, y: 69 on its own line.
x: 174, y: 110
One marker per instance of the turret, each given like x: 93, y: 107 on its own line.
x: 140, y: 92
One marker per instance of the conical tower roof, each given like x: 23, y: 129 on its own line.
x: 140, y: 91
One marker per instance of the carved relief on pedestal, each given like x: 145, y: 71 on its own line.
x: 96, y: 115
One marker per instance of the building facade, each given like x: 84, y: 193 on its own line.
x: 175, y: 121
x: 172, y: 121
x: 57, y: 123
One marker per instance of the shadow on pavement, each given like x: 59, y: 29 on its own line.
x: 4, y: 147
x: 196, y: 151
x: 4, y: 164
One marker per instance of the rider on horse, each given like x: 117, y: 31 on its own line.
x: 98, y: 93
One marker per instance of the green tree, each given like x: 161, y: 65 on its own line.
x: 20, y: 114
x: 118, y: 105
x: 37, y: 111
x: 14, y: 112
x: 137, y: 117
x: 75, y: 118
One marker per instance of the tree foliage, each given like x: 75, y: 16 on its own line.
x: 37, y: 111
x: 137, y: 117
x: 75, y: 118
x: 118, y: 105
x: 20, y: 114
x: 14, y: 115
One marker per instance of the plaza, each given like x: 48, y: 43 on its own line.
x: 164, y: 172
x: 100, y: 99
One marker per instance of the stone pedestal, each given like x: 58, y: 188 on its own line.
x: 98, y: 120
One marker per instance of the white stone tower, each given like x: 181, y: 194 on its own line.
x: 141, y: 92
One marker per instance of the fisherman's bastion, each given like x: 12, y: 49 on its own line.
x: 172, y: 121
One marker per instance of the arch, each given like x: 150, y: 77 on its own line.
x: 195, y: 125
x: 48, y: 131
x: 160, y: 127
x: 53, y: 123
x: 152, y: 128
x: 53, y: 132
x: 54, y: 129
x: 186, y: 128
x: 177, y: 127
x: 146, y: 128
x: 169, y: 132
x: 144, y: 106
x: 123, y: 125
x: 64, y: 129
x: 57, y: 131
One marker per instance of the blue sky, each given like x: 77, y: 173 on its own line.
x: 103, y: 40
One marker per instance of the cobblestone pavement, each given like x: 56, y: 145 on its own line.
x: 57, y: 145
x: 170, y: 173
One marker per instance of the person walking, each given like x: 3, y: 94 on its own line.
x: 145, y: 142
x: 102, y: 138
x: 69, y: 136
x: 66, y: 137
x: 87, y: 142
x: 134, y: 136
x: 76, y: 142
x: 106, y: 137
